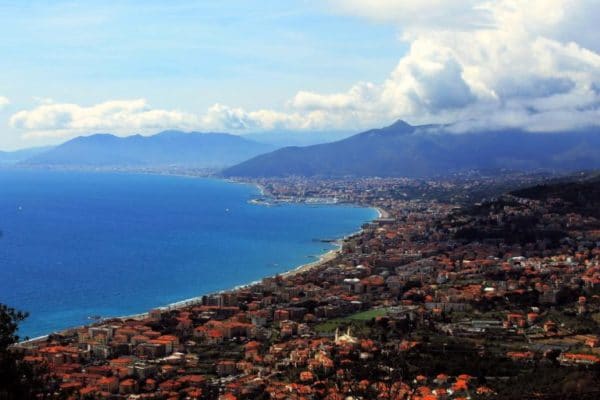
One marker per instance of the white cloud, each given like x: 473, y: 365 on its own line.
x: 119, y: 116
x: 65, y: 120
x: 485, y: 64
x: 482, y: 64
x: 4, y: 102
x: 522, y: 67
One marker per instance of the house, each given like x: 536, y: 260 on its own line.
x: 578, y: 359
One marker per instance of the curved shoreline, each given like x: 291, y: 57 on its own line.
x: 323, y: 258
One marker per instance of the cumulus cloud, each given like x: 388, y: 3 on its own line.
x: 513, y: 63
x: 4, y: 102
x: 478, y: 64
x: 65, y: 119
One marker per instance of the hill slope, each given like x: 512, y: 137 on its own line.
x: 174, y: 148
x: 578, y: 196
x: 12, y: 157
x: 405, y: 150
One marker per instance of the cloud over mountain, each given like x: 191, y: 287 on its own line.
x: 55, y: 119
x: 512, y: 63
x: 531, y: 64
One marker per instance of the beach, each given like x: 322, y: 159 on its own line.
x: 266, y: 265
x: 323, y: 259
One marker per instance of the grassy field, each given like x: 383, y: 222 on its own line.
x: 356, y: 321
x: 368, y: 315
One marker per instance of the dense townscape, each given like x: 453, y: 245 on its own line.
x: 460, y: 290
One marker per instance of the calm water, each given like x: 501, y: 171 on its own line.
x: 77, y: 244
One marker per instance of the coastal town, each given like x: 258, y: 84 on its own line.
x: 300, y: 200
x: 461, y: 289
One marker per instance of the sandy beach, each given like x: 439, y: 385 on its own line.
x: 329, y: 256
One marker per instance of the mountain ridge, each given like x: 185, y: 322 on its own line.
x: 425, y: 151
x: 15, y: 156
x: 174, y: 148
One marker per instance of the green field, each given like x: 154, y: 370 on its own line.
x: 368, y: 315
x: 357, y: 321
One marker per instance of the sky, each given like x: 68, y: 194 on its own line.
x: 73, y: 68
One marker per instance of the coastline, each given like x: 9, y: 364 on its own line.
x: 323, y: 258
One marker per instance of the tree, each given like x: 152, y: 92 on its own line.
x: 9, y: 323
x: 17, y: 379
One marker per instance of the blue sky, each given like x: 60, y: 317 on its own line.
x: 73, y: 68
x: 182, y: 54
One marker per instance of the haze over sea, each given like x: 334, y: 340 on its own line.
x: 78, y: 244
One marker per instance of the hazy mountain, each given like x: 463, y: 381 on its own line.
x: 295, y: 138
x: 173, y: 148
x: 405, y: 150
x: 13, y: 157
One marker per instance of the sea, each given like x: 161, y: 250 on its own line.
x: 75, y: 245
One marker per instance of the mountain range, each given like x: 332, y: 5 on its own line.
x: 284, y: 138
x: 12, y: 157
x: 399, y: 150
x: 424, y: 151
x: 168, y: 148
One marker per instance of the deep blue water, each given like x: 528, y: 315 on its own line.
x: 76, y: 244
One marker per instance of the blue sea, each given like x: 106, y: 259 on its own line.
x: 78, y: 244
